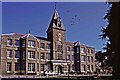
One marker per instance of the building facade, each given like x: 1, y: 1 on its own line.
x: 28, y: 54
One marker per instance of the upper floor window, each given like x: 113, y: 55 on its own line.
x: 17, y: 43
x: 92, y: 51
x: 78, y: 50
x: 91, y: 59
x: 42, y: 56
x: 88, y: 58
x: 82, y: 58
x: 9, y: 42
x: 23, y: 43
x: 31, y: 54
x: 72, y: 57
x: 47, y: 46
x: 42, y: 45
x: 72, y: 48
x: 59, y: 46
x: 9, y: 54
x: 17, y: 54
x: 31, y: 43
x: 68, y: 48
x: 48, y: 56
x: 68, y: 57
x: 77, y: 57
x: 60, y: 56
x: 82, y: 50
x: 88, y: 51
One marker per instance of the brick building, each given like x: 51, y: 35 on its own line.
x: 29, y: 54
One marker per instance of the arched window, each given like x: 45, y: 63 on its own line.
x: 59, y: 46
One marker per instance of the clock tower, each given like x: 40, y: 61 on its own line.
x: 56, y: 34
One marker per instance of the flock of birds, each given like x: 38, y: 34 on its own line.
x: 74, y: 19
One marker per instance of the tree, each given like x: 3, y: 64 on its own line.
x: 112, y: 32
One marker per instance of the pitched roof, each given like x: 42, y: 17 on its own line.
x: 14, y: 35
x: 70, y: 43
x: 42, y: 38
x: 54, y: 21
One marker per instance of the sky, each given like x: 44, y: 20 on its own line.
x: 82, y: 20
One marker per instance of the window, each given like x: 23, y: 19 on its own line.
x: 17, y: 54
x: 88, y: 67
x: 73, y: 67
x: 42, y: 56
x: 49, y: 67
x: 88, y: 51
x: 68, y: 57
x: 82, y: 67
x: 82, y: 50
x: 59, y: 46
x: 88, y: 58
x: 92, y: 51
x: 68, y: 48
x: 9, y: 42
x: 42, y: 45
x: 91, y: 67
x: 78, y: 51
x: 77, y: 57
x: 23, y: 45
x: 31, y: 67
x: 9, y: 66
x: 17, y: 43
x: 37, y: 55
x: 72, y: 57
x: 47, y: 46
x: 9, y: 54
x: 72, y: 48
x: 42, y: 67
x: 16, y: 67
x: 38, y: 67
x: 60, y: 56
x: 91, y: 59
x: 82, y: 58
x: 48, y: 56
x: 31, y: 54
x: 31, y: 43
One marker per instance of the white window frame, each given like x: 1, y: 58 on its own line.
x: 31, y: 54
x: 18, y: 53
x: 9, y: 53
x: 31, y: 43
x: 9, y: 42
x: 17, y: 44
x: 9, y: 66
x: 31, y: 67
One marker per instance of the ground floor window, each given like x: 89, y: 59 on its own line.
x: 82, y: 67
x: 16, y: 67
x: 9, y: 66
x: 31, y: 67
x: 42, y: 67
